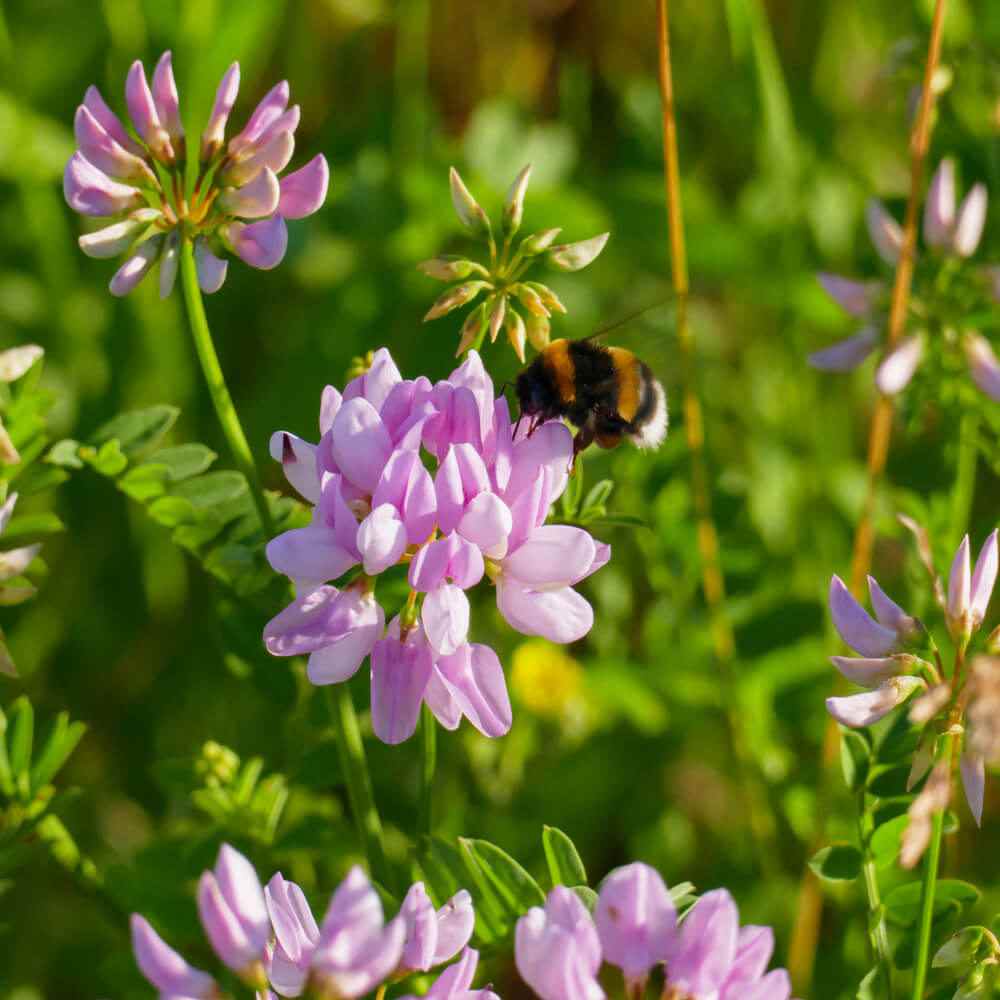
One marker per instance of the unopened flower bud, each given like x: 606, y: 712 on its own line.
x: 468, y: 209
x: 497, y: 312
x: 513, y: 209
x: 538, y: 330
x: 455, y: 297
x: 450, y: 268
x: 516, y: 332
x: 538, y: 242
x: 471, y: 328
x: 549, y: 298
x: 959, y: 590
x: 574, y: 256
x: 530, y: 299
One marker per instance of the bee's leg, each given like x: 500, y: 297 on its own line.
x: 517, y: 425
x: 584, y: 438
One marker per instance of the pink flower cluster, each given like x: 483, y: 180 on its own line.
x: 948, y: 231
x: 270, y: 939
x: 479, y: 512
x: 136, y: 179
x: 559, y: 950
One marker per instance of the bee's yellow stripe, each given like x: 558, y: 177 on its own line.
x: 627, y: 374
x: 563, y: 370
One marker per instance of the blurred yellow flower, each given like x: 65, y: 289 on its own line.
x: 546, y: 679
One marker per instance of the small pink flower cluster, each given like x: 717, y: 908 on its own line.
x: 559, y: 950
x: 137, y: 179
x: 481, y: 512
x: 949, y: 232
x: 270, y: 939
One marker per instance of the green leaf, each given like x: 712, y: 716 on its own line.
x: 888, y: 782
x: 599, y: 493
x: 515, y: 887
x: 108, y: 460
x: 619, y: 521
x: 6, y: 774
x: 837, y: 863
x: 682, y: 894
x: 565, y: 866
x: 212, y: 489
x: 902, y: 905
x: 65, y: 453
x: 172, y: 512
x: 885, y: 841
x: 447, y: 869
x: 31, y: 527
x: 22, y: 730
x: 144, y: 482
x: 61, y: 742
x: 854, y: 757
x: 184, y: 460
x: 873, y: 987
x: 960, y: 948
x: 587, y: 896
x: 138, y: 430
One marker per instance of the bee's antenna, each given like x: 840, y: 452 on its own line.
x: 630, y: 317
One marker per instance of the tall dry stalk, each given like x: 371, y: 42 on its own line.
x: 805, y: 935
x: 713, y: 581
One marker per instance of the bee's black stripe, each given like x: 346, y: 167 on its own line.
x: 593, y: 374
x: 647, y: 397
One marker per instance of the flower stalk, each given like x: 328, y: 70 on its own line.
x: 713, y: 581
x: 359, y: 783
x: 428, y: 740
x: 221, y: 400
x: 805, y: 935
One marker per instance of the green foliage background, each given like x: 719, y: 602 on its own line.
x: 789, y: 119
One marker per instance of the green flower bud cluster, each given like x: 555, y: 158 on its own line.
x: 508, y: 302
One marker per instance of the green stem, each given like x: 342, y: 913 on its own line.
x: 428, y: 738
x: 221, y: 399
x: 878, y: 933
x: 922, y: 953
x: 359, y: 785
x: 965, y: 474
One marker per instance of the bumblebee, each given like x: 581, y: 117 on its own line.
x: 607, y: 393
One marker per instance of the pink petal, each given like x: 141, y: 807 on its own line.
x: 274, y: 153
x: 255, y: 199
x: 227, y: 936
x: 973, y: 770
x: 971, y: 219
x: 855, y: 626
x: 420, y: 918
x: 400, y: 672
x: 846, y: 355
x: 889, y: 613
x: 136, y: 267
x: 165, y: 968
x: 858, y: 710
x: 310, y: 556
x: 557, y: 615
x: 211, y: 269
x: 708, y: 942
x: 365, y: 623
x: 304, y: 191
x: 109, y: 121
x: 381, y: 539
x: 165, y: 97
x: 984, y: 577
x: 553, y: 555
x: 894, y: 373
x: 959, y: 587
x: 983, y: 365
x: 551, y: 447
x: 360, y: 443
x: 455, y: 921
x: 105, y: 153
x: 169, y: 260
x: 476, y: 679
x: 377, y: 383
x: 869, y: 673
x: 855, y: 297
x: 446, y: 618
x: 142, y: 111
x: 939, y: 209
x: 113, y: 240
x: 225, y: 98
x: 298, y: 462
x: 270, y: 107
x: 487, y: 523
x: 885, y: 232
x: 91, y: 192
x: 260, y: 244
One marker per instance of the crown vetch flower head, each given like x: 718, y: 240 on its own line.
x: 137, y: 184
x: 479, y: 512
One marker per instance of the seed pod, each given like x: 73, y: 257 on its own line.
x: 575, y: 256
x: 513, y: 209
x: 468, y: 209
x: 455, y: 297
